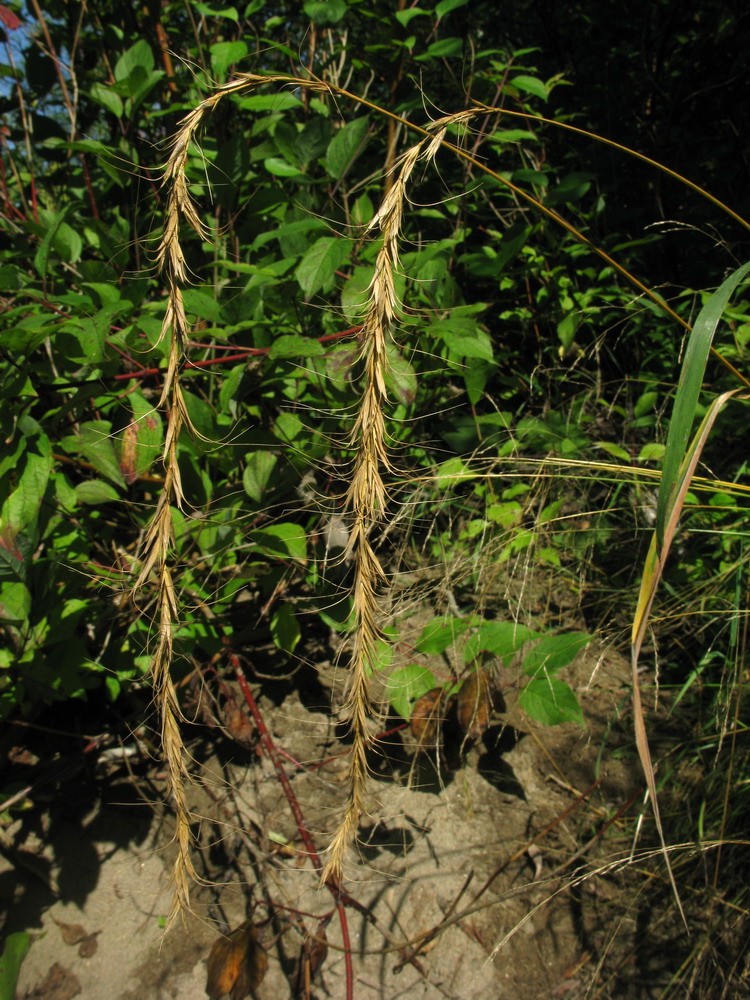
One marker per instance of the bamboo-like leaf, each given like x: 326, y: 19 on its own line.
x: 652, y: 574
x: 688, y: 389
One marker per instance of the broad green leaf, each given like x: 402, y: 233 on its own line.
x: 439, y: 634
x: 345, y: 146
x: 208, y: 11
x: 94, y: 443
x: 281, y: 168
x: 201, y: 304
x: 283, y: 540
x: 688, y: 390
x: 404, y: 16
x: 226, y: 54
x: 291, y: 345
x: 502, y: 639
x: 325, y: 12
x: 285, y: 629
x: 443, y: 49
x: 400, y: 377
x: 316, y: 270
x: 531, y: 85
x: 140, y: 442
x: 21, y: 508
x: 550, y: 701
x: 553, y: 652
x: 138, y: 57
x: 108, y: 98
x: 282, y: 101
x: 446, y: 6
x: 452, y: 472
x: 41, y: 257
x: 15, y: 601
x: 355, y: 293
x: 506, y: 514
x: 95, y: 491
x: 406, y: 685
x: 258, y: 473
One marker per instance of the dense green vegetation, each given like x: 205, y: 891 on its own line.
x: 527, y: 381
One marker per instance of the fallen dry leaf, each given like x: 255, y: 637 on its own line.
x: 236, y: 964
x: 71, y: 933
x: 475, y: 704
x: 239, y: 725
x: 88, y: 946
x: 427, y: 717
x: 58, y: 984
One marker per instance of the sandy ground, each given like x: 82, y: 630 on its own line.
x: 98, y: 856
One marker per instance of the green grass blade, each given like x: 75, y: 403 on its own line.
x: 688, y: 390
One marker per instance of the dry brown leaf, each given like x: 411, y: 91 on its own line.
x: 88, y: 946
x: 71, y: 933
x: 475, y: 704
x: 239, y: 725
x: 236, y: 964
x: 427, y: 717
x: 58, y: 984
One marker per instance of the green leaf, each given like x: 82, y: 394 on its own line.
x: 138, y: 59
x: 291, y: 345
x: 15, y: 601
x: 21, y: 508
x: 140, y: 442
x: 228, y: 12
x: 316, y: 270
x: 95, y: 491
x: 406, y: 685
x: 282, y: 101
x: 14, y: 952
x: 284, y: 540
x: 41, y: 257
x: 446, y: 6
x: 550, y: 701
x: 225, y: 54
x: 531, y: 85
x: 108, y: 98
x: 439, y: 634
x: 404, y: 16
x: 345, y: 146
x: 258, y: 472
x: 688, y: 390
x: 443, y: 49
x: 94, y: 443
x: 400, y: 377
x: 281, y: 168
x: 452, y: 472
x: 502, y: 639
x: 285, y: 629
x: 325, y: 12
x: 553, y: 652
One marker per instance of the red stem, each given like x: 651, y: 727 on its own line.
x: 304, y: 833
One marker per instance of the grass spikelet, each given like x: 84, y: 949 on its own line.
x: 366, y: 495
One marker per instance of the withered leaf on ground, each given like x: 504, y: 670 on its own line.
x: 58, y: 984
x: 427, y: 717
x: 236, y: 964
x: 88, y: 946
x: 239, y: 725
x: 71, y: 933
x: 475, y: 704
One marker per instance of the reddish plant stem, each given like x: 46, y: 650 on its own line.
x: 227, y: 359
x: 291, y: 798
